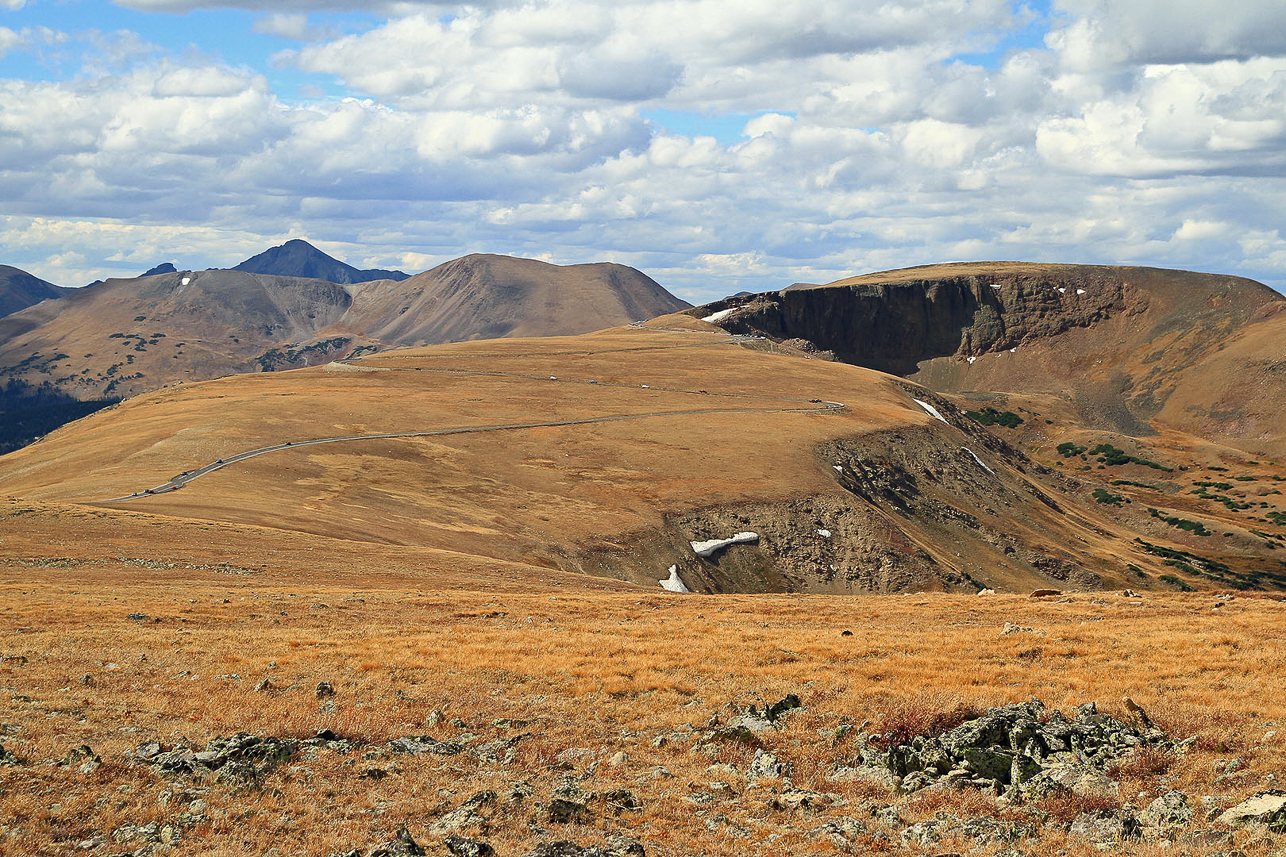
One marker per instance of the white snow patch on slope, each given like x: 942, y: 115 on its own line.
x: 971, y: 359
x: 1080, y: 291
x: 710, y: 547
x: 674, y: 583
x: 838, y: 469
x: 931, y: 410
x: 979, y: 460
x: 1062, y: 291
x: 995, y: 285
x: 185, y: 281
x: 826, y: 534
x: 720, y: 315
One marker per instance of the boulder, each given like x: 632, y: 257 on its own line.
x: 417, y: 745
x: 473, y: 817
x: 764, y: 766
x: 401, y: 846
x: 462, y: 846
x: 1166, y: 814
x: 1266, y: 808
x: 1105, y: 828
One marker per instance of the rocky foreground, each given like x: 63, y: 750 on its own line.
x: 1037, y: 773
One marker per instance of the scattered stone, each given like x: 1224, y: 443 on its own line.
x: 1105, y: 828
x: 462, y: 846
x: 83, y: 759
x: 265, y: 686
x: 240, y: 759
x: 473, y: 817
x: 138, y: 617
x: 567, y: 804
x: 1016, y: 629
x: 8, y: 759
x: 1166, y: 814
x: 764, y: 766
x: 618, y: 846
x: 1266, y: 808
x: 324, y: 690
x: 401, y: 846
x: 840, y: 831
x: 498, y: 749
x: 421, y: 744
x: 986, y: 592
x: 1017, y: 748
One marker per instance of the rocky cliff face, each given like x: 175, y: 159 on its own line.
x: 893, y: 326
x: 1133, y: 350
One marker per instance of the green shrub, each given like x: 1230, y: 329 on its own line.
x: 991, y: 416
x: 1102, y: 495
x: 1174, y: 581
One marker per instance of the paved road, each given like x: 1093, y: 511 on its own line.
x: 182, y: 479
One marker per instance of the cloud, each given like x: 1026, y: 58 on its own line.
x: 868, y: 139
x: 9, y: 40
x: 1104, y: 34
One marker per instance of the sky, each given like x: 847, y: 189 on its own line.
x: 717, y: 145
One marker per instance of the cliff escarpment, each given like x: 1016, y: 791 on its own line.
x: 894, y: 325
x: 1130, y: 349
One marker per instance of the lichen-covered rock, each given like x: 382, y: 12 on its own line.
x: 764, y: 766
x: 473, y: 817
x: 401, y: 846
x: 1105, y: 828
x: 1166, y: 814
x: 1266, y: 808
x: 417, y: 745
x: 462, y: 846
x: 1020, y: 749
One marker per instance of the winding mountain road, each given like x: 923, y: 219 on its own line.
x: 182, y: 479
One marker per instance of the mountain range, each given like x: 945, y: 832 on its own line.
x: 125, y: 336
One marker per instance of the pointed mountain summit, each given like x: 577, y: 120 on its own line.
x: 298, y: 258
x: 19, y: 290
x: 163, y: 268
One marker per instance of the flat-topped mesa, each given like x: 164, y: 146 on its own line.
x: 894, y: 320
x: 1127, y: 344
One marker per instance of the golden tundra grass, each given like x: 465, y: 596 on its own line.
x: 590, y: 668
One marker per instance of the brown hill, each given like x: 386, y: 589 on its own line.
x: 489, y: 297
x: 126, y: 336
x: 19, y: 290
x: 1129, y: 350
x: 609, y: 453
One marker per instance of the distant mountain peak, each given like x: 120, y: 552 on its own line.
x: 163, y: 268
x: 298, y: 258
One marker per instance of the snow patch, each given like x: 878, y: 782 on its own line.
x: 971, y: 359
x: 720, y: 315
x: 185, y: 281
x: 710, y: 547
x: 995, y: 285
x: 674, y: 583
x: 1013, y: 351
x: 931, y: 410
x: 979, y: 460
x: 1080, y: 291
x: 1062, y: 291
x: 826, y: 534
x: 838, y: 469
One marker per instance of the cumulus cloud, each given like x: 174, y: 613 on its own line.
x: 825, y: 139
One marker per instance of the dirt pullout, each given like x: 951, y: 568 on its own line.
x: 945, y: 506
